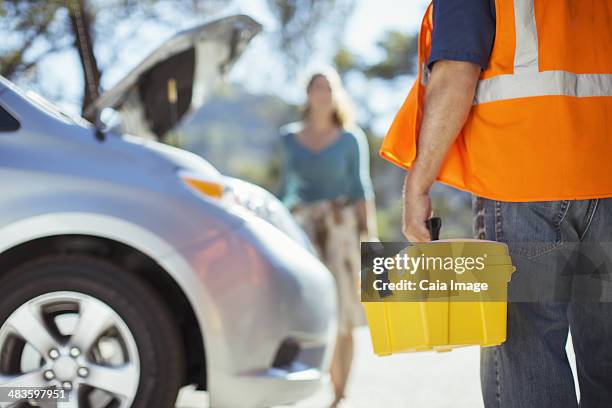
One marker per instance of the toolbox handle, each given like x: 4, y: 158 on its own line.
x: 434, y: 224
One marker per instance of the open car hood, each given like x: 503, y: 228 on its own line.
x: 178, y: 77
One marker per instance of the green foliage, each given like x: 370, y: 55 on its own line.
x: 31, y: 32
x: 33, y: 29
x: 399, y: 50
x: 345, y: 61
x: 301, y: 21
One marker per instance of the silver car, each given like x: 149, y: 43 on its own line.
x: 129, y: 269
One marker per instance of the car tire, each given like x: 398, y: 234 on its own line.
x: 154, y: 332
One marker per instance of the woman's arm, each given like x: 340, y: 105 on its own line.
x: 366, y: 217
x: 362, y: 191
x: 285, y: 192
x: 284, y: 168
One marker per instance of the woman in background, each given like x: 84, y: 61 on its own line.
x: 326, y: 184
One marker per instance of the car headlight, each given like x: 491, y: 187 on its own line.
x: 266, y: 206
x: 209, y: 186
x: 232, y: 192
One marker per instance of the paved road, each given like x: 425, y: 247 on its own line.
x: 416, y: 380
x: 419, y: 380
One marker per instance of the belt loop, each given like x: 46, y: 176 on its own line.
x: 499, y: 234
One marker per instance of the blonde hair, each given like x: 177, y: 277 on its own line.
x: 343, y: 115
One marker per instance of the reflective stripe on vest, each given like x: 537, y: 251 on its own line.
x: 527, y: 81
x: 544, y: 83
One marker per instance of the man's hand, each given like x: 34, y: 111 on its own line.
x: 416, y: 210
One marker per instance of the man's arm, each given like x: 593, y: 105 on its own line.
x: 448, y: 100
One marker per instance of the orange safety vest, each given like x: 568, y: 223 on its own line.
x: 540, y: 127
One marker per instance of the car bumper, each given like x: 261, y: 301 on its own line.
x: 271, y: 389
x: 256, y: 291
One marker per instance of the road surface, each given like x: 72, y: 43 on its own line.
x: 415, y: 380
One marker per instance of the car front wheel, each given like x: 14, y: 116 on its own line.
x: 98, y: 334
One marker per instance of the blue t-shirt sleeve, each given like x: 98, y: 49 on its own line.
x: 284, y: 167
x: 463, y: 30
x: 285, y: 190
x: 359, y: 159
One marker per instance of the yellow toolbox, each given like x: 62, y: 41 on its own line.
x: 448, y: 319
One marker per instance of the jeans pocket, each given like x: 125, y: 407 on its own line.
x: 530, y: 229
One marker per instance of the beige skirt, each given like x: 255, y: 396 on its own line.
x: 333, y: 229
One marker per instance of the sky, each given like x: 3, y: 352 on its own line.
x: 373, y: 17
x: 367, y: 24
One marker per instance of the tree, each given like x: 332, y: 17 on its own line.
x: 35, y: 24
x: 399, y: 50
x: 301, y: 20
x: 35, y: 29
x: 40, y: 28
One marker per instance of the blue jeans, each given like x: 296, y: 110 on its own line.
x: 563, y: 254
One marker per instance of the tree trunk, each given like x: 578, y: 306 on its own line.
x: 81, y: 22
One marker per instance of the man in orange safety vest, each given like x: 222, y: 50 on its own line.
x: 513, y: 103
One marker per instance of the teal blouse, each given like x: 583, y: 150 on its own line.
x: 340, y: 169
